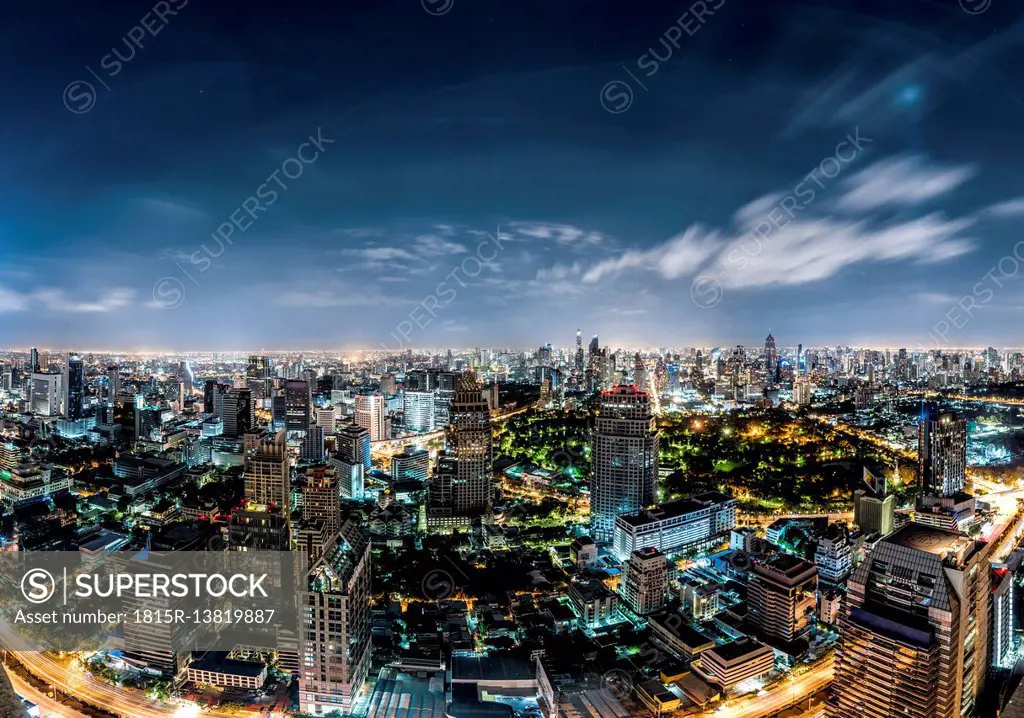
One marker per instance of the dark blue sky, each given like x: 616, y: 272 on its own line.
x: 625, y: 187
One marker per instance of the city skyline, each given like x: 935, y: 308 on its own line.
x: 638, y: 219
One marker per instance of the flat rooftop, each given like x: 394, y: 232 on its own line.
x: 929, y: 539
x: 674, y: 509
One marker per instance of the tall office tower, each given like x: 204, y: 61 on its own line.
x: 462, y: 485
x: 354, y: 445
x: 371, y: 414
x: 388, y: 384
x: 352, y: 460
x: 418, y: 380
x: 594, y: 345
x: 238, y: 415
x: 325, y: 419
x: 45, y: 396
x: 942, y: 455
x: 645, y: 583
x: 803, y: 390
x: 297, y: 404
x: 639, y: 372
x: 444, y: 390
x: 268, y: 475
x: 419, y: 411
x: 874, y: 509
x: 320, y: 495
x: 34, y: 366
x: 113, y: 383
x: 213, y: 397
x: 151, y: 646
x: 914, y: 630
x: 334, y: 643
x: 312, y: 448
x: 73, y: 386
x: 781, y: 596
x: 1002, y: 623
x: 185, y: 373
x: 799, y: 359
x: 624, y: 458
x: 259, y: 377
x: 577, y: 365
x: 834, y: 555
x: 544, y: 355
x: 771, y: 361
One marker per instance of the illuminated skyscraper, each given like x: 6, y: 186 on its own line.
x: 771, y: 361
x: 45, y: 396
x: 914, y: 632
x: 577, y: 366
x: 334, y: 643
x: 238, y: 413
x: 371, y: 414
x: 113, y: 383
x: 462, y: 484
x: 624, y: 458
x: 268, y: 475
x: 259, y: 377
x: 942, y: 455
x: 73, y: 387
x: 419, y: 411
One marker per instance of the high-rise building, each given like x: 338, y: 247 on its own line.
x: 388, y: 384
x: 771, y: 361
x: 780, y: 597
x: 942, y: 455
x: 624, y: 458
x: 419, y: 411
x: 371, y: 414
x: 874, y: 509
x: 1002, y: 624
x: 113, y: 383
x: 577, y: 365
x: 645, y: 581
x: 268, y: 475
x: 45, y: 394
x: 352, y: 460
x: 34, y: 367
x: 334, y: 643
x: 319, y: 485
x: 73, y: 387
x: 914, y: 632
x: 410, y: 464
x: 312, y: 448
x: 238, y: 414
x: 834, y: 555
x: 292, y: 405
x: 462, y: 484
x: 259, y: 377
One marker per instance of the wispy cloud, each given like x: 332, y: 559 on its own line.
x: 58, y: 301
x: 900, y: 181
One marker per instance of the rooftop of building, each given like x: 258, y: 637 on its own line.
x: 740, y: 648
x: 929, y: 539
x: 491, y: 668
x: 220, y: 663
x: 673, y: 509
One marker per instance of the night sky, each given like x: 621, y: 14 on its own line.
x: 618, y: 157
